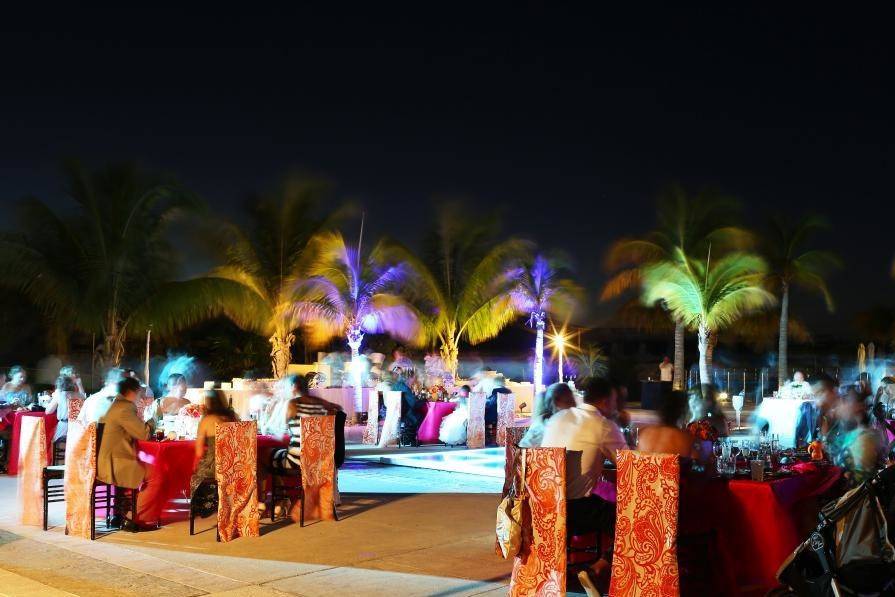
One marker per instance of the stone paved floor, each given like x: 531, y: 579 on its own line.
x: 404, y: 532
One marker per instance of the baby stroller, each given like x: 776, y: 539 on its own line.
x: 850, y: 552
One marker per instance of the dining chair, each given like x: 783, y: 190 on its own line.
x: 318, y: 466
x: 371, y: 431
x: 236, y: 473
x: 540, y: 566
x: 391, y: 428
x: 32, y: 462
x: 648, y: 499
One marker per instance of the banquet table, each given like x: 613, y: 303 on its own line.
x: 759, y: 523
x: 429, y: 428
x: 13, y: 420
x: 169, y: 466
x: 344, y: 397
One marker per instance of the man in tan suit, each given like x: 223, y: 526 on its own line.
x: 117, y: 462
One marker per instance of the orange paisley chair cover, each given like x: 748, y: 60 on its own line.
x: 505, y: 417
x: 32, y: 459
x: 318, y: 467
x: 236, y: 471
x: 371, y: 431
x: 80, y: 474
x: 540, y: 567
x: 514, y: 436
x: 475, y: 423
x: 645, y: 555
x: 74, y: 408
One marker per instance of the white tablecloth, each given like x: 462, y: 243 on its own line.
x: 781, y: 415
x: 343, y: 397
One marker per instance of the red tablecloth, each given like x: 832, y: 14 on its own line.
x: 758, y: 523
x: 435, y: 412
x: 13, y: 420
x: 169, y: 466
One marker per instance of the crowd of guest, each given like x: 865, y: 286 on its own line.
x: 128, y: 413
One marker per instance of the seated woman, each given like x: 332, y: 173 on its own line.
x: 66, y: 390
x: 174, y: 399
x: 667, y: 437
x: 558, y: 397
x: 216, y: 411
x: 453, y: 426
x: 300, y: 405
x: 17, y: 392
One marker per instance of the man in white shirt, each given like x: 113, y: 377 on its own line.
x: 97, y: 405
x: 589, y: 439
x: 666, y: 370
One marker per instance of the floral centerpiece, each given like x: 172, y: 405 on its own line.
x: 187, y: 421
x: 703, y: 430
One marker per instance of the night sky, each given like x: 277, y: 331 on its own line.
x: 571, y: 119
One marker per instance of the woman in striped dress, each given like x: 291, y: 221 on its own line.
x: 300, y: 405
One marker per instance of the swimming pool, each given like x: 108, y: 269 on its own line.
x: 488, y: 462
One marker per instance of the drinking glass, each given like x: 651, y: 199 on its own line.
x: 738, y: 401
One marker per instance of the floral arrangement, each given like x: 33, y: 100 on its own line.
x: 703, y: 430
x: 438, y: 393
x: 191, y: 410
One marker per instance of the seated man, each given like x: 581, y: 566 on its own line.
x: 97, y: 404
x: 797, y: 388
x: 412, y: 414
x: 589, y: 439
x: 117, y: 463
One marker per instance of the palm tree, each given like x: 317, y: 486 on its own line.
x: 467, y: 279
x: 262, y: 265
x: 591, y: 361
x: 95, y: 268
x: 793, y: 263
x: 345, y: 293
x: 687, y: 226
x: 708, y: 296
x: 540, y: 291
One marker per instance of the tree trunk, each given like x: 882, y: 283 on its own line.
x: 355, y: 337
x: 710, y: 355
x: 450, y: 354
x: 539, y: 321
x: 783, y: 344
x: 704, y: 356
x: 678, y: 382
x: 281, y: 352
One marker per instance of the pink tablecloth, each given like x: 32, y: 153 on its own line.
x: 435, y: 412
x: 169, y: 466
x: 14, y: 421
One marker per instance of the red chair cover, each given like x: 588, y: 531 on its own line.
x: 505, y: 406
x: 371, y: 431
x: 32, y: 460
x: 236, y: 456
x: 645, y: 555
x: 475, y: 423
x: 80, y: 474
x: 318, y: 468
x: 74, y: 408
x: 540, y: 567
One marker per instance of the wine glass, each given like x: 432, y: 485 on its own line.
x: 738, y: 401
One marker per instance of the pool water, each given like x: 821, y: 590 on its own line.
x: 488, y: 462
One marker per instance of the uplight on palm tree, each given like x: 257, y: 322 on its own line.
x: 687, y: 225
x: 262, y: 266
x: 467, y: 280
x: 559, y: 343
x: 540, y: 291
x: 349, y: 294
x: 708, y: 296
